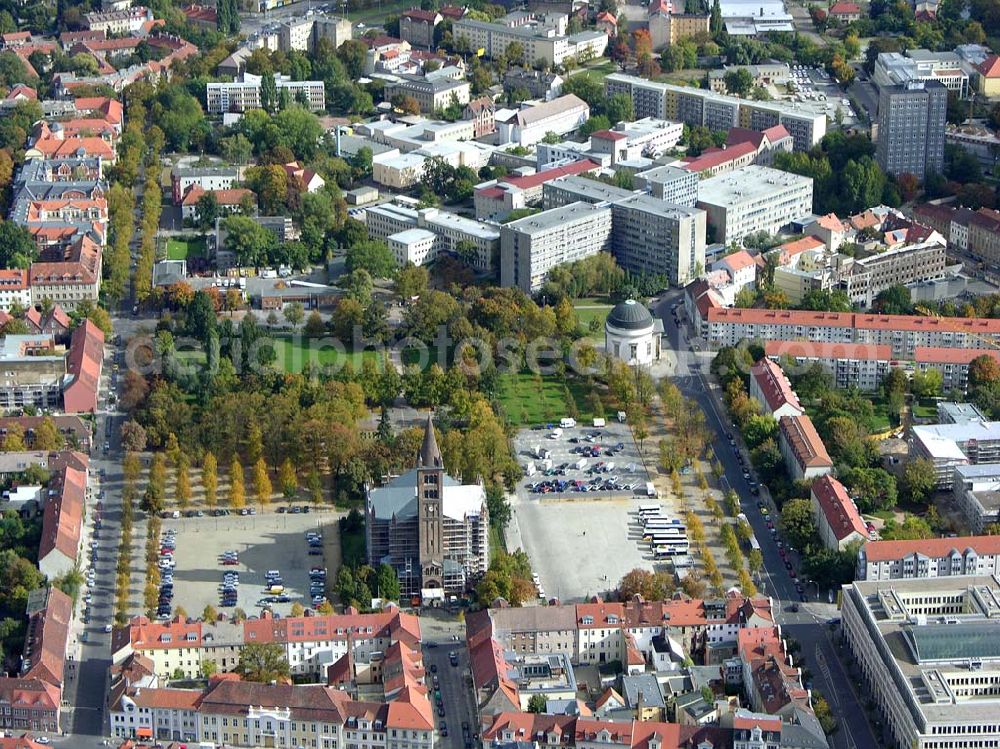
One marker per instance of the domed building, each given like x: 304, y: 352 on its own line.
x: 631, y: 334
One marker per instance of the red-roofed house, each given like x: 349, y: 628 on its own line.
x: 837, y: 519
x: 202, y: 17
x: 804, y: 452
x: 765, y: 142
x: 741, y: 268
x: 86, y: 355
x: 789, y: 250
x: 989, y: 76
x: 715, y: 161
x: 31, y: 704
x: 830, y: 229
x: 46, y: 639
x: 607, y: 23
x: 21, y: 92
x: 228, y: 201
x: 309, y: 179
x: 62, y: 523
x: 845, y: 12
x: 930, y: 557
x: 14, y: 289
x: 770, y: 387
x: 771, y: 685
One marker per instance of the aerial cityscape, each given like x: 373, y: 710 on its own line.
x: 530, y: 374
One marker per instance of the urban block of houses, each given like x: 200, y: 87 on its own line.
x: 802, y: 448
x: 770, y: 387
x: 837, y: 518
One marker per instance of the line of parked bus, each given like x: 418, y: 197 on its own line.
x: 667, y: 537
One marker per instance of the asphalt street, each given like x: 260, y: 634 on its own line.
x: 807, y: 625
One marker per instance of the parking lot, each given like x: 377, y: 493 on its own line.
x: 576, y: 462
x: 263, y: 543
x: 813, y: 86
x: 584, y: 547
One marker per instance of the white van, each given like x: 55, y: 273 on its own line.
x: 529, y: 469
x: 580, y: 464
x: 556, y: 434
x: 599, y: 423
x: 650, y: 489
x: 567, y: 423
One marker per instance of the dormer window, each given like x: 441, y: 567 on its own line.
x: 587, y: 620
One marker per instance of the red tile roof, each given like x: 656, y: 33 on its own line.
x: 86, y: 356
x: 609, y: 135
x: 48, y: 635
x: 939, y: 355
x: 844, y: 9
x: 24, y: 741
x: 776, y: 133
x: 738, y: 261
x: 539, y: 178
x: 774, y: 386
x: 714, y: 157
x: 841, y: 514
x: 804, y: 442
x: 935, y: 548
x: 229, y: 197
x: 62, y: 519
x: 23, y: 91
x: 818, y: 350
x: 990, y: 67
x: 791, y: 249
x: 29, y: 694
x: 416, y: 14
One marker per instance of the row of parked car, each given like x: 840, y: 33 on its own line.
x: 168, y: 544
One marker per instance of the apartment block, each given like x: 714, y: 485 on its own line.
x: 431, y: 93
x: 771, y: 389
x: 495, y: 200
x: 694, y: 106
x: 244, y: 94
x: 530, y: 247
x: 566, y: 190
x: 671, y: 184
x: 804, y: 452
x: 976, y: 490
x: 837, y: 519
x: 653, y: 237
x: 911, y: 125
x: 207, y: 178
x: 540, y: 36
x: 126, y: 22
x: 753, y: 199
x: 924, y: 649
x: 871, y: 275
x: 929, y: 558
x: 952, y: 363
x: 850, y: 365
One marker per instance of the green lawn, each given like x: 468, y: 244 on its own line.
x: 526, y: 403
x: 921, y: 411
x: 181, y: 248
x: 584, y: 316
x: 352, y: 547
x: 292, y: 355
x: 379, y: 13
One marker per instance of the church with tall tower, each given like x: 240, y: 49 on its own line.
x: 431, y: 529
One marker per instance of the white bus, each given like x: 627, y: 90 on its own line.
x: 645, y: 509
x: 754, y: 544
x: 662, y: 552
x: 666, y: 538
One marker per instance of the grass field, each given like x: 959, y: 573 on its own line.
x: 585, y: 315
x: 180, y: 248
x: 920, y: 411
x: 524, y: 402
x: 377, y: 14
x: 292, y: 355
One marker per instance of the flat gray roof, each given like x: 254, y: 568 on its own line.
x: 556, y: 216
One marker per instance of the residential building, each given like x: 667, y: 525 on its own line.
x: 976, y: 489
x: 984, y: 235
x: 566, y: 190
x: 74, y: 429
x: 949, y: 412
x: 715, y: 161
x: 531, y: 123
x: 770, y: 387
x: 904, y: 333
x: 14, y: 289
x: 951, y: 445
x: 34, y: 372
x: 753, y: 199
x: 530, y: 247
x: 929, y: 558
x: 67, y: 275
x: 667, y: 28
x: 671, y: 184
x: 653, y: 237
x: 771, y: 684
x: 207, y: 178
x: 495, y: 200
x: 764, y: 74
x: 989, y: 77
x: 226, y: 201
x: 540, y: 36
x: 694, y: 106
x: 740, y: 267
x: 628, y: 141
x: 126, y: 22
x: 417, y: 27
x: 62, y: 522
x: 539, y: 84
x: 925, y: 654
x: 911, y: 124
x: 804, y: 452
x: 244, y: 94
x: 850, y: 365
x: 83, y: 367
x: 837, y: 519
x: 845, y: 12
x: 953, y: 364
x: 431, y: 94
x: 431, y: 529
x: 482, y: 113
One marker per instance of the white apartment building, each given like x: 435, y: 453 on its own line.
x: 977, y: 493
x: 753, y: 199
x: 927, y: 654
x: 243, y: 95
x: 695, y: 106
x: 626, y: 141
x: 650, y: 236
x: 119, y: 22
x: 927, y: 558
x: 412, y: 246
x: 532, y: 246
x: 850, y: 365
x: 869, y: 276
x: 951, y: 445
x: 540, y: 36
x: 208, y: 179
x: 431, y: 93
x: 14, y: 289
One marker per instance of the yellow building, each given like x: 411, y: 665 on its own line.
x: 989, y: 76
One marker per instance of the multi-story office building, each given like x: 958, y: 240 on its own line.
x: 654, y: 237
x: 753, y: 199
x: 951, y: 445
x: 694, y: 106
x: 431, y: 93
x: 854, y: 365
x: 869, y: 276
x: 243, y: 95
x: 530, y: 247
x: 927, y: 654
x: 947, y: 68
x: 670, y: 184
x: 432, y: 530
x: 911, y: 124
x: 574, y: 188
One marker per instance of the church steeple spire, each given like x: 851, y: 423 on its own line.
x: 430, y: 455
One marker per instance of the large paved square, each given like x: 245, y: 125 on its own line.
x: 267, y: 541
